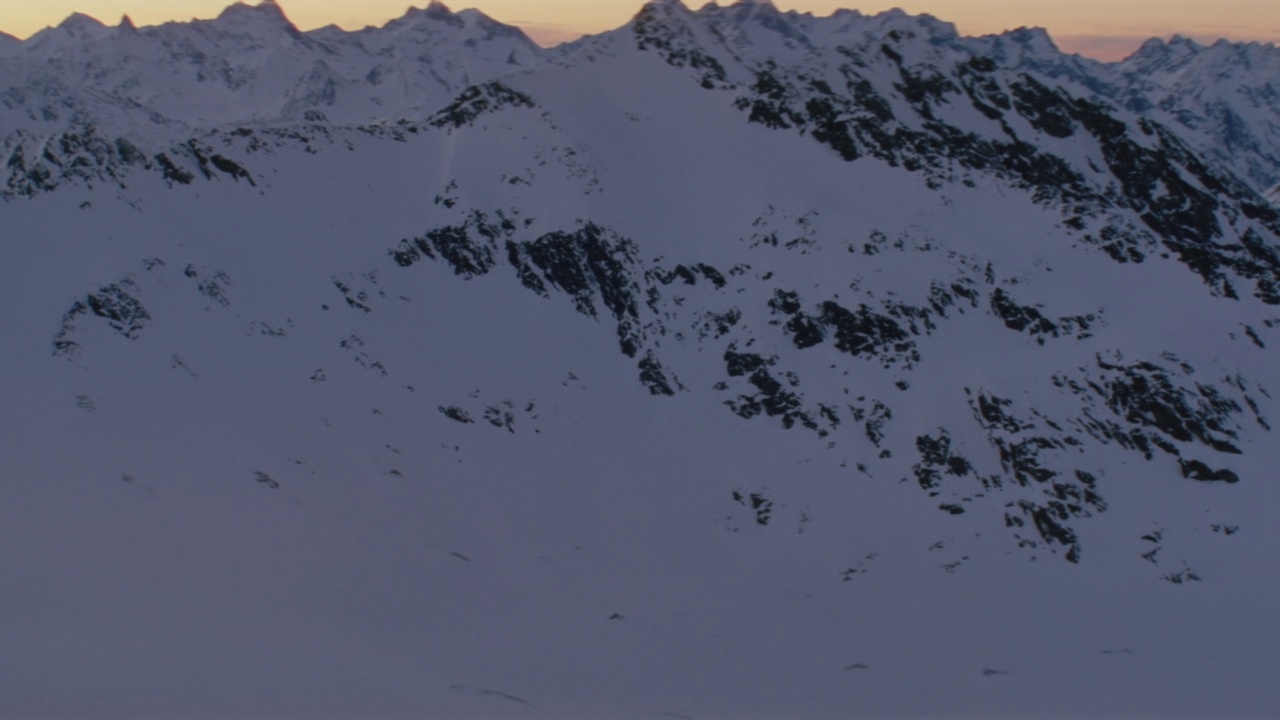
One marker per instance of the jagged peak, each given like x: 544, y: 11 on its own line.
x: 476, y: 18
x: 78, y: 21
x: 434, y: 12
x: 893, y: 13
x: 1252, y: 62
x: 1154, y: 44
x: 1183, y: 45
x: 659, y: 13
x: 267, y: 13
x: 1156, y: 52
x: 438, y: 13
x: 1152, y: 50
x: 126, y: 25
x: 749, y: 9
x: 762, y: 13
x: 846, y: 13
x: 77, y: 26
x: 942, y: 30
x: 663, y: 8
x: 475, y: 15
x: 335, y: 34
x: 1032, y: 40
x: 1250, y: 45
x: 1030, y: 36
x: 935, y: 30
x: 1025, y: 47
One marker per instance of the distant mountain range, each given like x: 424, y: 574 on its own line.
x: 732, y: 363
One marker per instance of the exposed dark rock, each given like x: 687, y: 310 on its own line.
x: 1047, y: 110
x: 864, y: 332
x: 467, y: 256
x: 936, y: 459
x: 355, y: 299
x: 213, y: 287
x: 1031, y: 453
x: 499, y: 417
x: 456, y: 413
x: 479, y: 100
x: 654, y: 31
x: 1029, y: 320
x: 171, y: 172
x: 719, y: 324
x: 114, y: 304
x: 1186, y: 575
x: 1196, y: 470
x: 770, y: 396
x: 758, y: 504
x: 590, y: 265
x: 689, y: 275
x: 653, y: 376
x: 1174, y: 198
x: 874, y: 419
x: 1157, y: 405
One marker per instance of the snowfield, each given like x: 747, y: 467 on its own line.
x: 734, y: 363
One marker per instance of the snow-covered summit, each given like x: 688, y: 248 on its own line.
x: 1021, y: 47
x: 267, y: 15
x: 77, y: 30
x: 1159, y: 55
x: 1222, y: 95
x: 252, y: 65
x: 759, y: 28
x: 9, y: 44
x: 437, y: 29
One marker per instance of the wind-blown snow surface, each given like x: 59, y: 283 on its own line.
x: 658, y: 382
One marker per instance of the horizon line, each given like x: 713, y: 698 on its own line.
x: 1102, y: 47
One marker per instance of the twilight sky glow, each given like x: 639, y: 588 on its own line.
x: 1106, y: 29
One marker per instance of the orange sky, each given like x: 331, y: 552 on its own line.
x: 1101, y: 28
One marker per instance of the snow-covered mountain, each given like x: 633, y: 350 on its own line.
x: 251, y: 65
x: 1224, y: 93
x: 732, y: 363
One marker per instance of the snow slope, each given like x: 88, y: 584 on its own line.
x: 735, y: 363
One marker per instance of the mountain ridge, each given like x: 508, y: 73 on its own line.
x: 1237, y: 129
